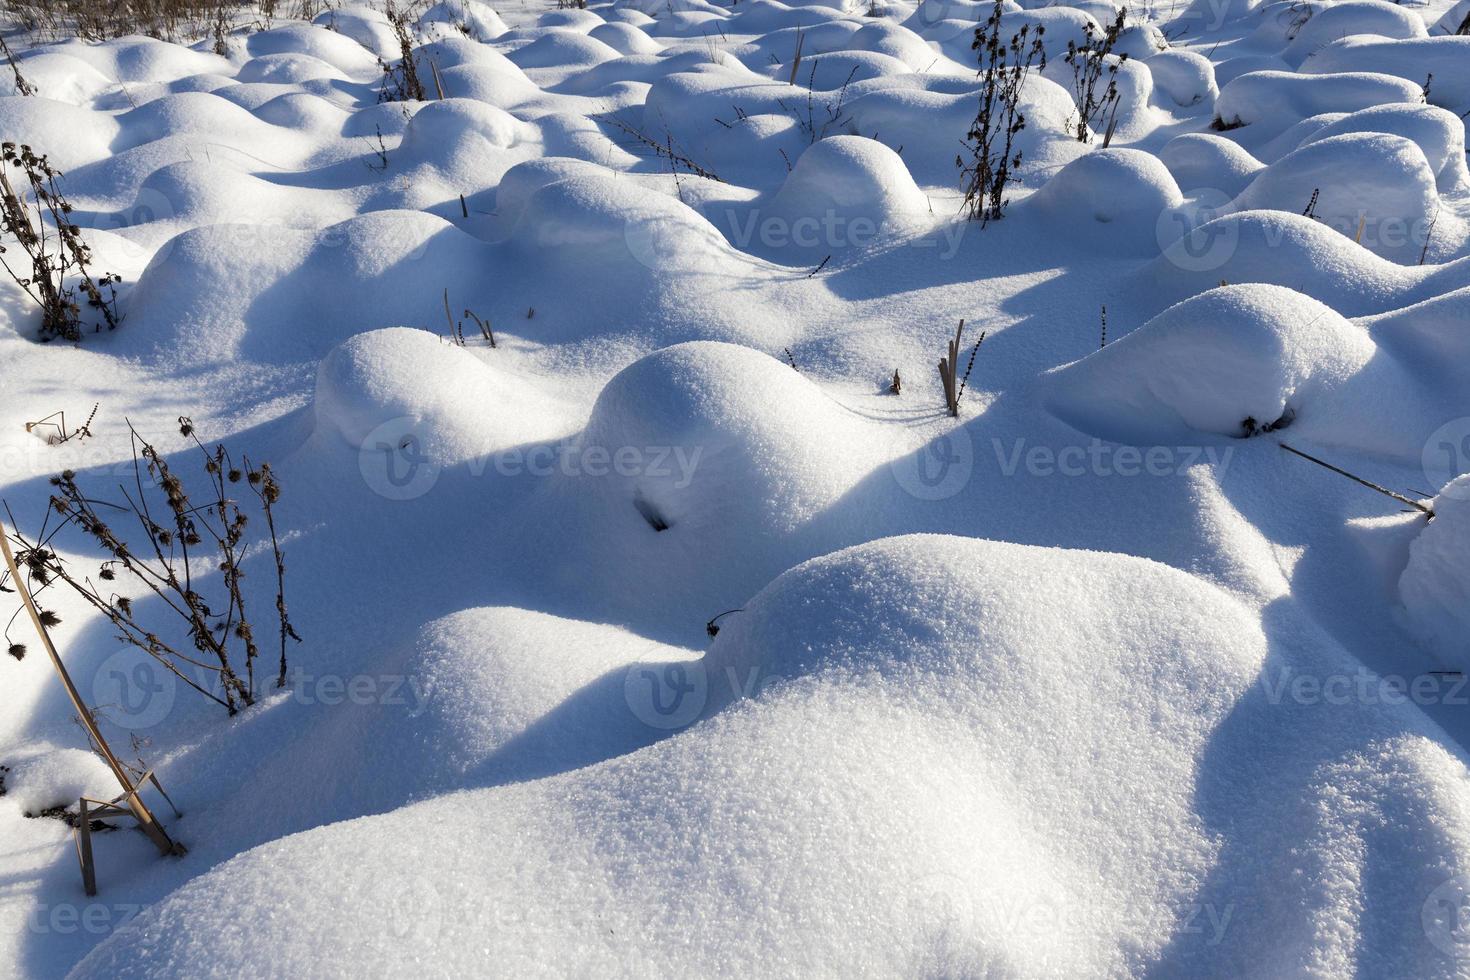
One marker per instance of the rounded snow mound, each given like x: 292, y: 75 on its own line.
x: 1186, y: 77
x: 1375, y: 188
x: 1274, y: 100
x: 288, y: 69
x: 1286, y: 249
x: 490, y: 694
x: 1411, y: 60
x: 625, y: 39
x: 522, y: 181
x: 484, y: 23
x: 318, y: 43
x: 445, y: 127
x: 559, y: 48
x: 909, y: 763
x: 387, y: 386
x: 850, y: 175
x: 927, y: 765
x: 70, y: 136
x: 1125, y: 190
x: 61, y: 77
x: 1349, y: 17
x: 1435, y: 585
x: 766, y: 449
x: 622, y: 222
x: 833, y: 70
x: 1205, y: 161
x: 915, y: 612
x: 894, y: 40
x: 1437, y: 132
x: 1257, y: 352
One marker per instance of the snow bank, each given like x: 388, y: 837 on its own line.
x: 1115, y: 194
x: 1435, y: 585
x: 850, y: 176
x: 1209, y: 363
x: 1206, y: 161
x: 767, y: 449
x: 1286, y: 249
x: 384, y: 386
x: 1274, y: 100
x: 1375, y: 188
x: 918, y: 785
x: 1350, y: 17
x: 1433, y: 335
x: 1413, y: 60
x: 1186, y: 77
x: 1437, y: 132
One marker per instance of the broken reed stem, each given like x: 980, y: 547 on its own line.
x: 948, y: 368
x: 134, y: 802
x: 1429, y: 511
x: 484, y: 326
x: 796, y: 59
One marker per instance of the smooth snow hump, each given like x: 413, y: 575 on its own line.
x: 917, y: 705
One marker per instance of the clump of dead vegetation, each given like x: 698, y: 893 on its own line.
x: 180, y: 21
x: 214, y: 648
x: 992, y: 155
x: 1097, y: 103
x: 57, y: 269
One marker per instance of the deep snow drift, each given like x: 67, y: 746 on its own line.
x: 681, y: 630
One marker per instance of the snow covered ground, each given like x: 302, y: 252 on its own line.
x: 1092, y: 680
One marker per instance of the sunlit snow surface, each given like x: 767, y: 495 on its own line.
x: 1081, y: 683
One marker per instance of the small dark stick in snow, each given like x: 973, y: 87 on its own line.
x: 1429, y: 237
x: 969, y: 367
x: 820, y: 267
x: 1422, y: 508
x: 712, y: 627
